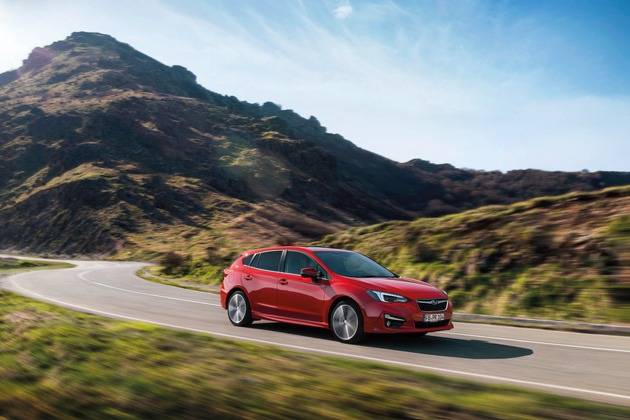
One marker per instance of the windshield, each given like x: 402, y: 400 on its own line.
x: 351, y: 264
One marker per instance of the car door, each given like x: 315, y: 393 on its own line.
x: 260, y: 280
x: 299, y: 298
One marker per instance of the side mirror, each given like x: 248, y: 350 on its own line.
x: 310, y: 273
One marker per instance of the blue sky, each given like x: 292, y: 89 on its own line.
x: 479, y: 84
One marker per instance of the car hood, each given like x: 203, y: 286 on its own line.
x: 410, y: 288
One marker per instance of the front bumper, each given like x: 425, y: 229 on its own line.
x: 395, y: 318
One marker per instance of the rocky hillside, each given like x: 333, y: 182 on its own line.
x: 565, y: 257
x: 104, y: 150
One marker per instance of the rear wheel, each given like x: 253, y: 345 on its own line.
x: 346, y: 322
x: 238, y: 309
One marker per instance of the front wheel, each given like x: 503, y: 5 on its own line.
x: 238, y: 309
x: 346, y: 322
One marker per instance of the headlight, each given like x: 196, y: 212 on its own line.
x: 387, y: 297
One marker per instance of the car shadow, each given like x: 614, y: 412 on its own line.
x: 436, y: 345
x: 430, y: 344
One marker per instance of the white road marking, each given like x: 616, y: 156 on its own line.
x: 82, y: 276
x: 536, y: 342
x: 336, y: 353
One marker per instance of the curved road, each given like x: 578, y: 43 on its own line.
x: 587, y: 366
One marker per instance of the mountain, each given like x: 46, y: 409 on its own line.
x: 565, y: 257
x: 104, y: 150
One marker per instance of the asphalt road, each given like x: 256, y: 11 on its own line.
x: 589, y: 366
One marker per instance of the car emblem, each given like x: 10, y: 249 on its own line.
x: 434, y: 302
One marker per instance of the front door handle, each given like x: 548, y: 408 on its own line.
x: 284, y: 281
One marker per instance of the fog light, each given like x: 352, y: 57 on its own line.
x: 393, y: 321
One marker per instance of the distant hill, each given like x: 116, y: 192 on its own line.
x: 104, y: 150
x: 565, y: 257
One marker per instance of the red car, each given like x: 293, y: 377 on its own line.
x: 330, y: 288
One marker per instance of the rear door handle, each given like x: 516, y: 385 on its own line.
x: 248, y: 277
x: 284, y: 281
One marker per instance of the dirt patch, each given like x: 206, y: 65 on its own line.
x: 26, y: 319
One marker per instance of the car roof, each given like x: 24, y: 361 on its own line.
x: 293, y: 248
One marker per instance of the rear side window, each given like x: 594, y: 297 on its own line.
x: 269, y: 260
x: 251, y: 260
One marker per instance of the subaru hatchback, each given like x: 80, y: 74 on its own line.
x: 340, y: 290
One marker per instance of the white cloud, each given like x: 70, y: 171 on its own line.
x: 342, y: 12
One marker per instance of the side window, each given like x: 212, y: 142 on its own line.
x: 269, y: 260
x: 295, y: 261
x: 322, y: 272
x: 247, y: 260
x: 254, y: 261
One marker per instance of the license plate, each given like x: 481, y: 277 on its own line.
x: 433, y: 317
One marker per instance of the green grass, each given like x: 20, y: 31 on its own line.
x: 55, y: 363
x: 154, y: 274
x: 14, y: 265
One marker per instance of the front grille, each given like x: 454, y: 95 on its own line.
x: 431, y: 324
x: 432, y: 305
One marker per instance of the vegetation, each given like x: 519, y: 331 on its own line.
x: 14, y: 265
x: 56, y: 363
x: 183, y: 269
x: 550, y: 257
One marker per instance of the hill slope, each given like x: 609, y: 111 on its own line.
x: 104, y: 150
x: 564, y: 257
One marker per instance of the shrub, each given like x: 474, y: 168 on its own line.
x: 172, y: 261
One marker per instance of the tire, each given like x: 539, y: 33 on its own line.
x: 238, y: 310
x: 346, y: 322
